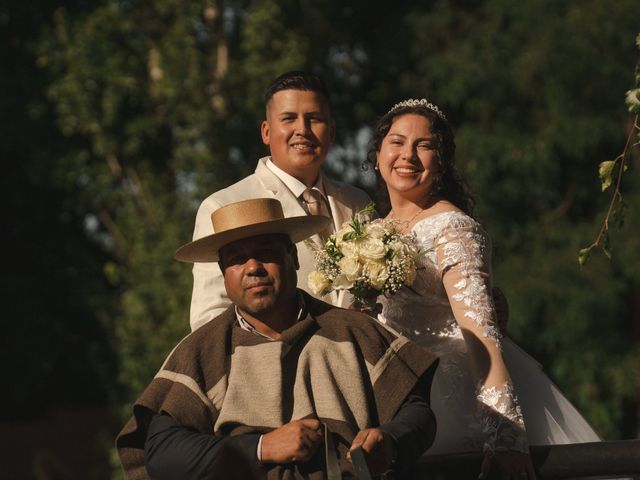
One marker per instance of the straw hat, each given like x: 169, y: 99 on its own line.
x: 246, y: 219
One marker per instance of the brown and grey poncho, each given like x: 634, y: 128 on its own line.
x: 336, y: 365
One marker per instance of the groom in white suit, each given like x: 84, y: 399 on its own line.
x: 298, y: 129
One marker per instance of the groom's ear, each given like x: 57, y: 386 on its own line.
x: 265, y: 131
x: 332, y: 131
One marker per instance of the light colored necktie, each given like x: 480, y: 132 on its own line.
x: 314, y: 202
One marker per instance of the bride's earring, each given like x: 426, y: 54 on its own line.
x: 376, y: 167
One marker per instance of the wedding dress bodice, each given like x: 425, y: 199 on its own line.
x: 451, y: 295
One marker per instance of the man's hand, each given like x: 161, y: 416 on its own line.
x: 502, y: 309
x: 378, y: 447
x: 296, y: 441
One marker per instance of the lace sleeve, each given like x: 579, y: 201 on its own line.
x: 463, y: 255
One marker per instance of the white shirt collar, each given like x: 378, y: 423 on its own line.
x: 250, y: 328
x: 292, y: 183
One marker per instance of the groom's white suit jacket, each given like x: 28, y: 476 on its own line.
x: 209, y: 297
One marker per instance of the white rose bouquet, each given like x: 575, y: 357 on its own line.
x: 366, y: 257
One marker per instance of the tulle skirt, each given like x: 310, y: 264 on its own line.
x: 549, y: 417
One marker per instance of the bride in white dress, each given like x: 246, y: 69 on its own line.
x: 488, y: 395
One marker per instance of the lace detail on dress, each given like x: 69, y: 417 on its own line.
x: 500, y: 419
x: 452, y: 331
x: 471, y: 290
x: 464, y: 247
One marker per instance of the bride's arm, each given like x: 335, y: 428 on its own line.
x: 463, y: 256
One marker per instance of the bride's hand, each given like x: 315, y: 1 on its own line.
x: 509, y: 464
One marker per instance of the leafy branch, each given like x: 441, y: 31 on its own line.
x: 611, y: 170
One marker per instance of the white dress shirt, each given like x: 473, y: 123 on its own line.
x: 298, y: 188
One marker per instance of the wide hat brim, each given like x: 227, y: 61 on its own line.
x: 206, y: 249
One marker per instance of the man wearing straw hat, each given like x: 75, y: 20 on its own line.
x: 298, y: 129
x: 295, y: 386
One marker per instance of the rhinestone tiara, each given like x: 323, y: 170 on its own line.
x: 423, y: 102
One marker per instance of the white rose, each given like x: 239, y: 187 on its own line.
x: 350, y: 249
x: 376, y: 230
x: 342, y: 283
x: 341, y: 233
x: 318, y: 282
x: 372, y: 249
x: 403, y: 247
x: 377, y: 274
x: 350, y: 268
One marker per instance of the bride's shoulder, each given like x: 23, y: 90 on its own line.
x: 445, y: 215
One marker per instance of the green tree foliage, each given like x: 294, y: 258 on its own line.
x: 137, y: 91
x: 159, y: 104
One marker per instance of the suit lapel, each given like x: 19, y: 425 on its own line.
x: 290, y: 204
x: 341, y: 210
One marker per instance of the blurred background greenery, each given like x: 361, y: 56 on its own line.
x: 120, y: 116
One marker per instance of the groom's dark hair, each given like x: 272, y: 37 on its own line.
x: 297, y: 80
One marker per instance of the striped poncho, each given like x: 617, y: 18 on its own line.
x: 336, y: 365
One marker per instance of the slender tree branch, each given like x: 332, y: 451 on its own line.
x: 620, y: 162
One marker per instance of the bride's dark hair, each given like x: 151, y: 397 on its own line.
x: 447, y: 184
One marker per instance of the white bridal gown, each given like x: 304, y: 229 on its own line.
x: 477, y: 407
